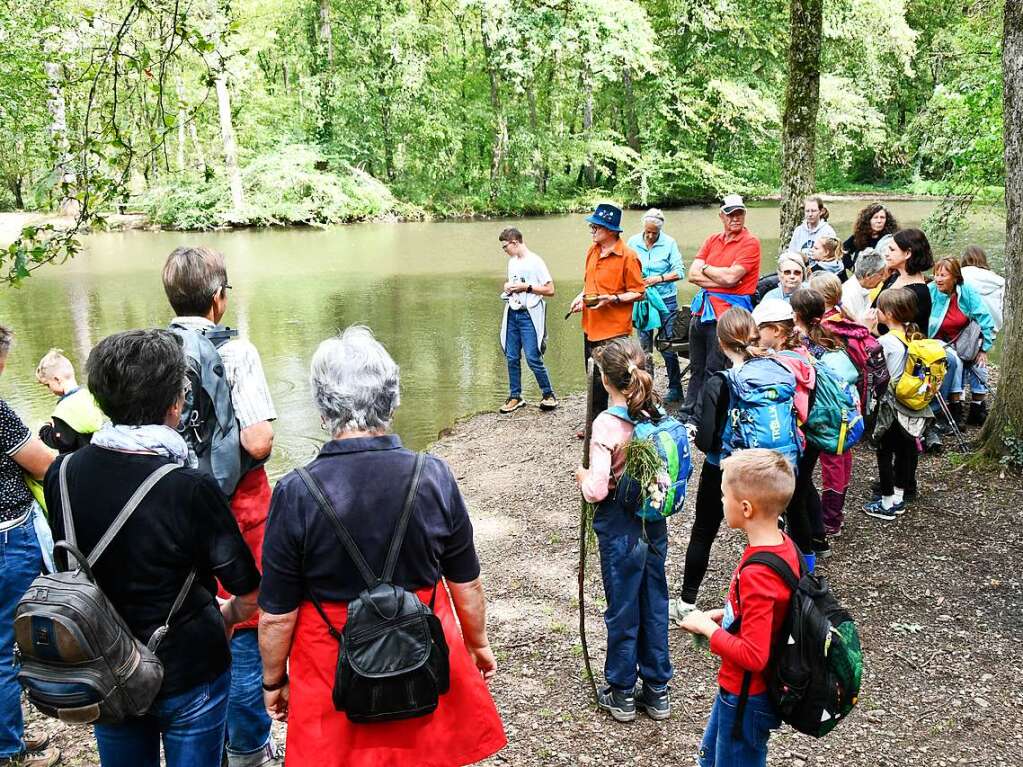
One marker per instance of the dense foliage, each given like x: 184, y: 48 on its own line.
x: 341, y: 108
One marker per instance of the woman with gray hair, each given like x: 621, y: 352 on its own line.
x: 359, y: 483
x: 662, y: 268
x: 868, y: 274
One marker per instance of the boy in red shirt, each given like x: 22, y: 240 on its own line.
x: 756, y: 486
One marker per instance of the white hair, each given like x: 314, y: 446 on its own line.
x: 868, y: 263
x: 795, y: 258
x: 354, y: 382
x: 655, y: 216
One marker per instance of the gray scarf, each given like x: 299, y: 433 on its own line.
x: 151, y: 438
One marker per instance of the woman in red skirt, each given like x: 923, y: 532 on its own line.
x: 364, y: 474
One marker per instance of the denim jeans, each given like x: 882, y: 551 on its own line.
x: 646, y: 340
x: 636, y: 589
x: 248, y: 724
x: 521, y: 337
x: 20, y: 562
x: 960, y: 375
x: 191, y: 725
x: 705, y: 359
x: 720, y: 748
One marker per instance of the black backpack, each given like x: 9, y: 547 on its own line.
x: 80, y: 662
x: 814, y: 672
x: 392, y: 661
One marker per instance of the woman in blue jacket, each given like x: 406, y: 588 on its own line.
x: 954, y: 306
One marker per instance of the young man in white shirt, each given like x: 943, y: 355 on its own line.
x: 524, y: 325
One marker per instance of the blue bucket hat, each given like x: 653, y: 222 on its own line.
x: 607, y: 216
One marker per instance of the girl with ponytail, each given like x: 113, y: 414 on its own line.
x: 632, y: 551
x: 737, y: 337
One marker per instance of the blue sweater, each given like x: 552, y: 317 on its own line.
x: 970, y: 303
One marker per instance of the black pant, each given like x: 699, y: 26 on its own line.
x: 705, y: 359
x: 897, y: 457
x: 599, y: 397
x: 709, y: 513
x: 804, y: 510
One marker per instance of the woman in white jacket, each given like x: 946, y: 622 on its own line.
x: 978, y: 275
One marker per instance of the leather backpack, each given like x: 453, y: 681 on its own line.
x: 80, y: 663
x: 392, y: 657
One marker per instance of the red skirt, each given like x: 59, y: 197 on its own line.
x: 464, y: 729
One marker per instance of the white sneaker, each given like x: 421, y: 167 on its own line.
x: 678, y: 610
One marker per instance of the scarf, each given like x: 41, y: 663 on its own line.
x: 150, y: 438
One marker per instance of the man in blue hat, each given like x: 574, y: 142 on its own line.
x: 612, y: 282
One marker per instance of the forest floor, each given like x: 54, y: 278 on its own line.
x: 936, y: 596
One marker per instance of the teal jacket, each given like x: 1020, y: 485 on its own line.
x: 970, y: 303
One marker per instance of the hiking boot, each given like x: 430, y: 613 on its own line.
x: 822, y: 549
x: 978, y: 413
x: 512, y: 404
x: 45, y: 758
x: 932, y: 440
x: 678, y: 610
x: 877, y: 510
x: 35, y: 741
x: 957, y: 410
x: 549, y: 402
x: 653, y: 702
x: 619, y: 703
x: 674, y: 394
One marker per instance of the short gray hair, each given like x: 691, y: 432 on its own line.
x: 654, y: 215
x: 191, y: 279
x: 6, y: 340
x: 868, y: 263
x: 354, y: 382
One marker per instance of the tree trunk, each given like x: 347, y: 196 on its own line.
x: 17, y: 184
x: 802, y: 100
x: 325, y: 67
x: 1006, y: 416
x: 631, y: 119
x: 589, y: 173
x: 200, y: 155
x: 234, y: 175
x: 326, y: 33
x: 68, y: 205
x: 500, y: 139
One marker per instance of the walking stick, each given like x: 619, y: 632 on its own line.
x: 947, y: 412
x: 591, y: 381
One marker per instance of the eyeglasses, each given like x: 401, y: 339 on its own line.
x: 225, y: 286
x: 594, y: 227
x: 792, y: 273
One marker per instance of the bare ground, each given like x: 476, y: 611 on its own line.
x: 935, y: 594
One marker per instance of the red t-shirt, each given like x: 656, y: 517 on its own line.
x: 742, y: 249
x: 765, y: 602
x: 955, y: 321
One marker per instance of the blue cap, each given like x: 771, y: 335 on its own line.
x: 607, y: 216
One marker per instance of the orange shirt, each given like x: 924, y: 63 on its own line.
x: 743, y: 249
x: 616, y: 273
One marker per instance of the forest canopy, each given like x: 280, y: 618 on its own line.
x: 205, y: 112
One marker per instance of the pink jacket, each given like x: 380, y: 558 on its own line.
x: 799, y: 364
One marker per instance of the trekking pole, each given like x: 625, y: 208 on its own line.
x: 591, y: 379
x: 947, y: 412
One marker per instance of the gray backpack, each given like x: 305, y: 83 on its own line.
x: 80, y: 662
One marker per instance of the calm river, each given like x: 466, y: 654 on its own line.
x: 429, y: 291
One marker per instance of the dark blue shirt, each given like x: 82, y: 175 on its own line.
x: 367, y: 479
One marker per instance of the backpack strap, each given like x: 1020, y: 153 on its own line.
x: 406, y: 514
x: 620, y: 412
x: 328, y: 510
x: 65, y: 503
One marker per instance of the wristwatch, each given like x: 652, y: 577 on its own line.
x: 276, y: 685
x: 529, y: 288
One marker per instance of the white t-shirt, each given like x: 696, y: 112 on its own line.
x: 528, y: 269
x: 855, y: 298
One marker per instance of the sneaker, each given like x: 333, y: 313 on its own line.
x: 550, y: 402
x: 822, y: 549
x: 673, y: 394
x: 48, y: 757
x: 877, y: 510
x: 678, y: 610
x: 270, y: 755
x: 833, y: 532
x: 620, y: 704
x: 512, y: 404
x: 654, y: 703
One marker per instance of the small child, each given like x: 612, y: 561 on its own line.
x: 756, y: 485
x: 898, y: 449
x: 632, y: 553
x: 826, y: 257
x: 76, y: 415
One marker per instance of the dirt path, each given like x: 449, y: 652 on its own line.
x: 935, y: 593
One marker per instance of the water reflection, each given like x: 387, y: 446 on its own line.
x: 429, y: 291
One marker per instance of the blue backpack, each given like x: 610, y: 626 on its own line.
x: 672, y: 442
x: 762, y: 410
x: 834, y: 423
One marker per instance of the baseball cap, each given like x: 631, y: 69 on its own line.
x: 772, y: 310
x: 732, y: 203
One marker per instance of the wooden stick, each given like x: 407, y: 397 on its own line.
x: 591, y: 381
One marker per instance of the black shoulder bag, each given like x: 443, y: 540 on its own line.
x: 392, y: 658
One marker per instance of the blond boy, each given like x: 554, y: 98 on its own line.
x: 76, y: 415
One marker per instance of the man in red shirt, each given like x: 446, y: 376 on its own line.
x: 756, y: 486
x: 612, y: 282
x: 726, y: 269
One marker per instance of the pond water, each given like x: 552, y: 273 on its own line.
x: 428, y: 290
